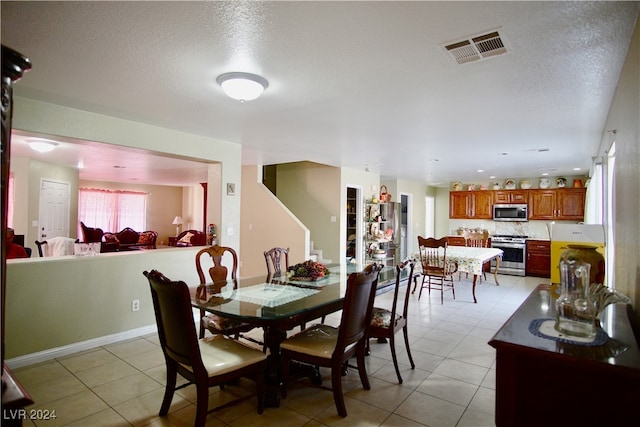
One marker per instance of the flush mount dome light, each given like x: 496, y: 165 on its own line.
x: 242, y: 86
x: 41, y: 145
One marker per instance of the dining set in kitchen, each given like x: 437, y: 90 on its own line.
x: 285, y: 298
x: 223, y: 348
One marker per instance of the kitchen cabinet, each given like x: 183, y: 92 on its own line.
x: 557, y: 204
x: 538, y: 258
x: 543, y: 382
x: 510, y: 196
x: 471, y: 204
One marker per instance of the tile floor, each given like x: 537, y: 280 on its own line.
x: 453, y: 384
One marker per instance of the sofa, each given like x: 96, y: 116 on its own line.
x: 129, y: 239
x: 189, y: 238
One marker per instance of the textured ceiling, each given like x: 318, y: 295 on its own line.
x: 354, y: 84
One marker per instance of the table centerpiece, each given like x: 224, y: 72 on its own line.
x: 309, y: 271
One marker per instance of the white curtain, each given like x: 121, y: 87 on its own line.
x: 112, y: 210
x: 594, y: 203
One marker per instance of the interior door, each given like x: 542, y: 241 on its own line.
x: 54, y: 209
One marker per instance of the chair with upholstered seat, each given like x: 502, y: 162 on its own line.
x: 221, y: 276
x: 323, y: 345
x: 386, y: 323
x: 478, y: 239
x: 274, y: 258
x: 214, y: 361
x: 437, y: 272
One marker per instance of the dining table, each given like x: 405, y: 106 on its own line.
x: 470, y: 260
x: 279, y: 304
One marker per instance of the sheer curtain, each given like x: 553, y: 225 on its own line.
x: 112, y: 210
x: 594, y: 204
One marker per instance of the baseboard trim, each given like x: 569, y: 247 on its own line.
x: 43, y: 356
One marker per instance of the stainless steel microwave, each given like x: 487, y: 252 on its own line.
x: 516, y: 212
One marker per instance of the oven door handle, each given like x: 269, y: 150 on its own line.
x: 508, y: 245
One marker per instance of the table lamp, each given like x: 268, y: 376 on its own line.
x: 177, y: 221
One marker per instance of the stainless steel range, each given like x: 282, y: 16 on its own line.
x: 514, y: 257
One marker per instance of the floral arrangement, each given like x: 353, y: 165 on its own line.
x: 308, y: 270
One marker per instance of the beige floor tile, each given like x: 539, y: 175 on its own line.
x: 448, y: 389
x: 473, y: 418
x: 71, y: 408
x: 130, y: 348
x: 86, y: 360
x: 430, y: 410
x: 383, y: 395
x: 105, y: 418
x: 52, y: 385
x: 411, y: 378
x: 272, y: 417
x: 358, y: 414
x: 147, y: 360
x: 489, y: 380
x: 126, y: 388
x: 143, y: 409
x: 428, y: 345
x: 462, y: 371
x: 484, y: 401
x: 106, y: 373
x: 398, y: 421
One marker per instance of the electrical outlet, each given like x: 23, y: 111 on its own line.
x: 135, y: 305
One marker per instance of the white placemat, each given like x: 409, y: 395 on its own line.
x: 268, y: 295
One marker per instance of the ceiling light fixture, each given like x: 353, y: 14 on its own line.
x: 41, y: 145
x: 242, y: 86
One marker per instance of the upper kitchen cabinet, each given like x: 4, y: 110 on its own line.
x: 470, y: 204
x: 510, y: 196
x: 557, y: 204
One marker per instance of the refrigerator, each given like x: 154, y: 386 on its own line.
x: 563, y: 235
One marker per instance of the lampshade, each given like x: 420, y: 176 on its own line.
x: 242, y: 86
x: 41, y: 145
x: 177, y: 220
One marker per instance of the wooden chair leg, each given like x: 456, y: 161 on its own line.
x: 392, y: 345
x: 405, y: 332
x: 362, y: 369
x: 260, y: 390
x: 336, y: 385
x: 172, y: 374
x: 202, y: 403
x: 284, y: 368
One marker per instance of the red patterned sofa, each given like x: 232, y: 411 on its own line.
x: 128, y: 239
x: 189, y: 238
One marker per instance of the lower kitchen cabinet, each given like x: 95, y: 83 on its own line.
x: 538, y: 258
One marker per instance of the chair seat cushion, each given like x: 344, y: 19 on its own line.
x: 221, y: 355
x: 221, y: 324
x: 381, y: 318
x: 317, y: 340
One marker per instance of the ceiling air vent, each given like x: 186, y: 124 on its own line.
x: 477, y: 48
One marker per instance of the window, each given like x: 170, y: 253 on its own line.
x: 112, y: 210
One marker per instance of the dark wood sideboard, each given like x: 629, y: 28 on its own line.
x: 543, y: 382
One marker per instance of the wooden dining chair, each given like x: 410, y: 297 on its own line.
x: 437, y: 272
x: 221, y: 276
x: 323, y: 345
x: 209, y: 362
x: 478, y: 239
x: 274, y: 258
x: 42, y: 249
x: 385, y: 323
